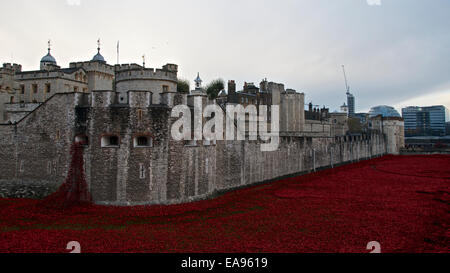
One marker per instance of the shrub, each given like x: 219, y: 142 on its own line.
x: 183, y: 86
x: 213, y: 88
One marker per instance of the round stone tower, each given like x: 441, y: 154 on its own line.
x: 133, y: 77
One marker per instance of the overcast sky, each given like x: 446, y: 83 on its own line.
x: 396, y: 53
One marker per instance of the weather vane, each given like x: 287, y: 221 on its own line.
x: 143, y: 60
x: 98, y: 43
x: 49, y: 44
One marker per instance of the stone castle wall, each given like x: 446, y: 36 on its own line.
x: 36, y: 151
x: 204, y: 170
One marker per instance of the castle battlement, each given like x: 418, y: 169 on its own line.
x: 94, y: 66
x: 108, y: 98
x: 146, y: 74
x: 126, y: 67
x: 138, y: 72
x: 29, y: 75
x: 11, y: 68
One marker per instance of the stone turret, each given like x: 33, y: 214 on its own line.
x: 136, y: 77
x: 48, y: 62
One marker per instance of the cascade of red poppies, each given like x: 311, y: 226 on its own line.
x: 74, y: 191
x: 402, y: 202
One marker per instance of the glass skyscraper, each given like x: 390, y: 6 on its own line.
x: 425, y: 121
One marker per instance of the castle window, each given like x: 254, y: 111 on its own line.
x: 22, y: 166
x: 165, y: 88
x: 113, y: 141
x: 48, y: 88
x: 75, y: 89
x: 22, y: 89
x: 35, y: 88
x: 190, y: 143
x: 11, y: 100
x: 49, y: 167
x: 141, y: 171
x: 110, y: 141
x: 82, y: 139
x: 139, y: 114
x: 143, y: 141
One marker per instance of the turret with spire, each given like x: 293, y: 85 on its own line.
x: 48, y: 61
x: 198, y: 82
x: 98, y: 57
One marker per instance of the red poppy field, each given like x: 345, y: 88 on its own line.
x: 402, y: 202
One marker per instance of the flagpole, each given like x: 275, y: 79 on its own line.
x: 118, y: 52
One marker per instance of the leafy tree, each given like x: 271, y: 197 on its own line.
x: 213, y: 88
x: 183, y: 86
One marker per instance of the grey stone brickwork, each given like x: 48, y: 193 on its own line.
x: 35, y: 152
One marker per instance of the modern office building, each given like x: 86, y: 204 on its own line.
x: 425, y: 121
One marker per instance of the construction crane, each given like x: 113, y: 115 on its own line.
x: 346, y: 82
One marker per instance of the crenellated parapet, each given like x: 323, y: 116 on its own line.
x: 128, y: 72
x: 135, y: 77
x: 109, y: 98
x: 42, y: 74
x: 93, y: 66
x: 11, y: 68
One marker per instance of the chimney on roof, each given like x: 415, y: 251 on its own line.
x: 231, y: 87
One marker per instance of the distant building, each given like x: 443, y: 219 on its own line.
x: 344, y: 108
x: 447, y: 128
x: 363, y: 120
x: 393, y: 128
x: 339, y: 123
x: 351, y: 104
x: 363, y: 117
x: 360, y: 122
x: 314, y: 112
x: 250, y: 94
x: 425, y: 121
x: 384, y: 110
